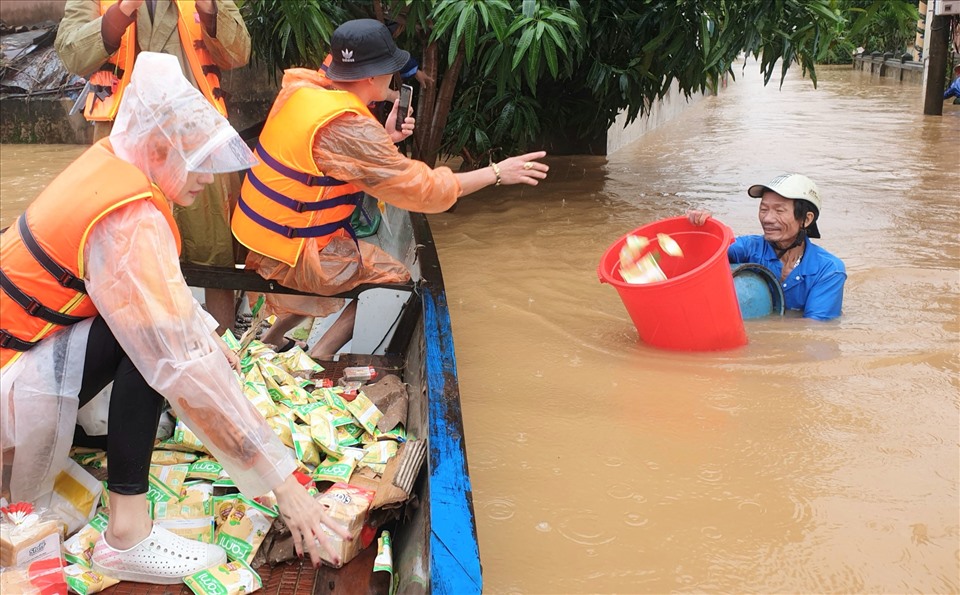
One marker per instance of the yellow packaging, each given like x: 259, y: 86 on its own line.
x: 166, y: 482
x: 183, y: 439
x: 303, y: 445
x: 79, y: 548
x: 172, y: 476
x: 302, y: 412
x: 242, y: 525
x: 208, y: 469
x: 172, y: 457
x: 255, y: 389
x: 380, y: 453
x: 75, y: 494
x: 96, y: 459
x: 282, y: 386
x: 281, y: 427
x: 324, y: 434
x: 81, y: 579
x: 365, y: 412
x: 232, y: 578
x: 336, y: 470
x: 296, y: 360
x: 195, y: 501
x: 285, y: 411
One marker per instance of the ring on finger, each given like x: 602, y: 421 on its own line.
x: 527, y: 165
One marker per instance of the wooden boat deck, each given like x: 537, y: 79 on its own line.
x: 292, y: 578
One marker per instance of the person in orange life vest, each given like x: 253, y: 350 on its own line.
x: 99, y: 39
x: 320, y: 149
x: 99, y: 297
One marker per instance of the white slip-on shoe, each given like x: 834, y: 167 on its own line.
x: 163, y: 558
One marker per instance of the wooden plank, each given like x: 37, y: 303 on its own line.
x: 242, y: 279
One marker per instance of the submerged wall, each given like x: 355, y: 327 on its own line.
x: 879, y: 65
x: 668, y: 108
x: 29, y: 12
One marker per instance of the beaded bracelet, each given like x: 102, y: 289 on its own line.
x: 496, y: 170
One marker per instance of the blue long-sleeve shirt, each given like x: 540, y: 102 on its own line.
x: 953, y: 90
x: 814, y: 287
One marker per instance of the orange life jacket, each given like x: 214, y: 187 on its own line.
x: 286, y: 198
x: 41, y: 254
x: 108, y: 83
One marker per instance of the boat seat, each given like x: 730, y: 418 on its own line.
x: 198, y: 275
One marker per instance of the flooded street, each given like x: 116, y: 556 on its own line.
x: 820, y: 458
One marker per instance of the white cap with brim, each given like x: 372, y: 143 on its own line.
x: 794, y: 187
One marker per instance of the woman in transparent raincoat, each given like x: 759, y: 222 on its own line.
x: 144, y: 331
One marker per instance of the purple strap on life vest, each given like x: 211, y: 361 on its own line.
x: 288, y: 172
x: 314, y: 231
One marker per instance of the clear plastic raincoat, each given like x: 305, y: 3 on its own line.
x: 167, y: 129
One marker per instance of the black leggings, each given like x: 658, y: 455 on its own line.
x: 134, y: 411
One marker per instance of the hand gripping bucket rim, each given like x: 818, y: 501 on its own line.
x: 693, y: 310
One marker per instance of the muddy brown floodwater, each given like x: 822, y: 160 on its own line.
x: 820, y: 458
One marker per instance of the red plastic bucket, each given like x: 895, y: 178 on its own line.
x: 696, y: 308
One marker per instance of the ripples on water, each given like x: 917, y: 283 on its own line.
x: 821, y: 457
x: 797, y: 464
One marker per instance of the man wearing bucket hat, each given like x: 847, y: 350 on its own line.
x: 811, y: 277
x: 320, y: 150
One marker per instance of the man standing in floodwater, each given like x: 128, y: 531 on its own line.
x: 812, y: 278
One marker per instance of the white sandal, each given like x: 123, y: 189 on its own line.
x: 163, y: 558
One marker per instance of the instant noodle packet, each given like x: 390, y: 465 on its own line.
x: 255, y: 390
x: 281, y: 427
x: 78, y: 549
x: 191, y: 516
x: 81, y: 579
x: 303, y: 445
x: 282, y: 386
x: 183, y: 439
x: 232, y: 578
x: 95, y: 459
x: 208, y: 469
x: 172, y: 476
x: 296, y: 361
x: 172, y: 457
x: 242, y: 525
x: 302, y: 412
x: 365, y: 412
x: 380, y: 453
x: 338, y: 470
x: 324, y: 434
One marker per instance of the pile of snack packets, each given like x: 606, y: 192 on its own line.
x: 333, y: 432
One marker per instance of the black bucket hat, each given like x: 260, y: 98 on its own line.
x: 363, y: 48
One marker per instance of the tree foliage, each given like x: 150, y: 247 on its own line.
x: 506, y: 74
x: 874, y: 25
